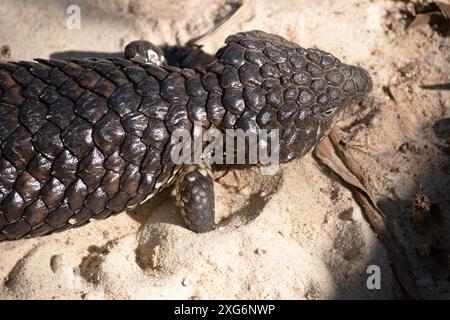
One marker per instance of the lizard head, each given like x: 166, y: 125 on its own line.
x: 298, y: 91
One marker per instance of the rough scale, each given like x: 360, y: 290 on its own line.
x: 89, y: 138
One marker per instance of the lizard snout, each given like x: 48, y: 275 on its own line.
x: 363, y: 81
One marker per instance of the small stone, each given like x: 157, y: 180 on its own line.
x: 260, y: 252
x: 56, y: 263
x: 187, y: 281
x: 244, y: 191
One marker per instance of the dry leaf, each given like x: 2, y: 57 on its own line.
x: 331, y: 154
x: 420, y: 19
x: 445, y: 8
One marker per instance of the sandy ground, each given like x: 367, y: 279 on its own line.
x: 296, y: 235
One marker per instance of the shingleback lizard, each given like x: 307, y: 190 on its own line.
x: 88, y: 138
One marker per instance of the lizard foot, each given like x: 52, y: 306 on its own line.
x: 145, y: 51
x: 195, y: 196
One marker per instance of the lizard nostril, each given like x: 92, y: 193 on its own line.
x: 362, y: 79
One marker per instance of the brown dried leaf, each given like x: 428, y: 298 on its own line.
x: 419, y: 20
x: 442, y: 9
x: 330, y: 152
x: 445, y: 8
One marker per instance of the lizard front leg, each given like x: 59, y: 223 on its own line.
x: 195, y: 197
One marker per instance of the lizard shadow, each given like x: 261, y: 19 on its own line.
x: 242, y: 208
x: 417, y: 210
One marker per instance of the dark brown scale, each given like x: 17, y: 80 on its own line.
x: 77, y: 137
x: 104, y: 88
x: 148, y: 181
x: 60, y: 216
x: 52, y: 193
x: 197, y: 110
x: 133, y: 149
x: 91, y: 107
x: 39, y: 167
x: 83, y: 216
x: 135, y: 123
x: 16, y: 230
x: 61, y: 112
x: 228, y: 120
x: 117, y: 77
x: 13, y: 206
x: 247, y: 121
x: 65, y: 167
x: 27, y: 186
x: 177, y: 117
x: 91, y: 169
x: 254, y: 98
x: 274, y: 97
x: 270, y: 70
x: 287, y: 112
x: 70, y: 89
x: 114, y: 162
x: 229, y: 78
x: 22, y: 76
x: 108, y: 133
x: 110, y: 182
x: 215, y: 109
x: 129, y: 181
x: 88, y: 79
x: 156, y: 72
x: 249, y: 74
x: 57, y: 78
x: 35, y: 213
x: 76, y: 195
x: 211, y: 83
x: 118, y: 202
x: 275, y: 55
x: 147, y: 87
x: 318, y: 85
x: 89, y: 138
x: 305, y: 97
x: 17, y: 148
x: 32, y: 115
x: 233, y: 101
x: 233, y: 55
x: 124, y: 100
x: 97, y: 200
x: 103, y: 215
x: 8, y: 120
x: 194, y: 87
x: 155, y: 108
x: 13, y: 96
x: 173, y: 88
x: 34, y: 89
x: 8, y: 175
x: 156, y: 134
x: 152, y: 161
x: 136, y: 73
